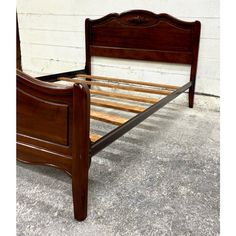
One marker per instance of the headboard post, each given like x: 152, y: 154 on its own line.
x: 18, y: 51
x: 87, y: 40
x: 193, y: 72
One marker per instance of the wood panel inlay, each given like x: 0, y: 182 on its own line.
x: 40, y: 119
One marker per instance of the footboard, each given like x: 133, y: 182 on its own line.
x: 53, y: 129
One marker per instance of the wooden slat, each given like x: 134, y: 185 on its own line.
x: 116, y: 95
x: 112, y: 119
x: 94, y: 137
x: 129, y: 88
x: 115, y: 105
x: 167, y: 86
x: 124, y: 96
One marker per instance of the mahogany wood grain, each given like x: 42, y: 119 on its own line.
x: 80, y: 149
x: 18, y: 49
x: 53, y: 122
x: 40, y: 118
x: 141, y: 54
x: 36, y: 155
x: 53, y: 129
x: 193, y: 73
x: 144, y: 35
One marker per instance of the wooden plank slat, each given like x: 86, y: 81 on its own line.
x: 94, y: 137
x: 167, y: 86
x: 115, y: 95
x: 124, y: 96
x: 115, y: 105
x: 105, y: 117
x: 129, y: 88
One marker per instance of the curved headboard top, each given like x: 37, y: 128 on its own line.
x: 143, y: 35
x: 141, y: 18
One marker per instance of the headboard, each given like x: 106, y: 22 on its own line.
x: 142, y: 35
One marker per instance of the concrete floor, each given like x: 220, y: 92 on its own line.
x: 161, y: 178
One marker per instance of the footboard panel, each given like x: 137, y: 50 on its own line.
x: 36, y: 155
x: 45, y: 122
x: 53, y: 129
x: 42, y: 119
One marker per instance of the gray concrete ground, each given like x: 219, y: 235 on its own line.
x: 161, y: 178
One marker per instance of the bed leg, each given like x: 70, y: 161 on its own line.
x: 191, y: 97
x: 80, y: 150
x: 80, y: 188
x: 192, y: 88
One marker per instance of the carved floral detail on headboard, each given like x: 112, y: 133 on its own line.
x: 138, y: 20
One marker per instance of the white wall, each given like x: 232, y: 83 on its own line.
x: 52, y: 39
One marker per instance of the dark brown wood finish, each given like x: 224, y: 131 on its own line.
x: 53, y: 121
x: 143, y: 35
x: 54, y: 77
x: 80, y: 149
x: 53, y: 129
x: 41, y: 110
x: 18, y: 51
x: 195, y: 47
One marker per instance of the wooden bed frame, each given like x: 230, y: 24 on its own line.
x: 53, y: 122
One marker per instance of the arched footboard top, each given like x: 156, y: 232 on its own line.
x: 47, y: 120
